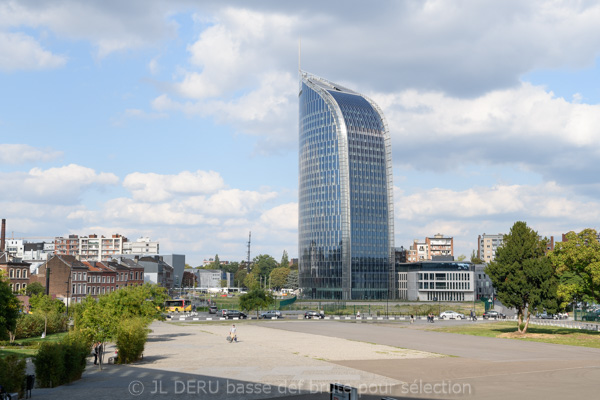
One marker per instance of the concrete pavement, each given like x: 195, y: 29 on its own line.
x: 297, y: 359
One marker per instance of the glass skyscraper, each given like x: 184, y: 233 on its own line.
x: 346, y: 215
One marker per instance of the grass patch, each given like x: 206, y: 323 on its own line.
x: 535, y: 333
x: 24, y: 348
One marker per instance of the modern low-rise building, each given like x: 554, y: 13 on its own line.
x: 441, y: 281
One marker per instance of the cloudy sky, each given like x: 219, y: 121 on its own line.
x: 178, y: 120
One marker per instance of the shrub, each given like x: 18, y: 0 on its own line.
x: 12, y: 374
x: 64, y: 362
x: 29, y: 325
x: 76, y: 350
x: 32, y: 325
x: 131, y: 339
x: 49, y: 364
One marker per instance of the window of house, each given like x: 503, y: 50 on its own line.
x: 24, y: 273
x: 11, y: 273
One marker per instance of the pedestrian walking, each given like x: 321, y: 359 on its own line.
x: 233, y: 334
x: 412, y: 318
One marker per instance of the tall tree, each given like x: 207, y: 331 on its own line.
x: 216, y: 264
x: 239, y: 277
x: 522, y: 275
x: 292, y: 280
x: 263, y: 264
x: 577, y: 263
x: 9, y: 309
x: 279, y: 277
x: 285, y: 261
x: 251, y: 281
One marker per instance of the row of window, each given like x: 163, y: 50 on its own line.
x: 17, y: 273
x: 15, y: 287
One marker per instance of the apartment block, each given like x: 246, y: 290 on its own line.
x: 143, y: 246
x: 431, y: 248
x: 487, y: 246
x: 90, y: 248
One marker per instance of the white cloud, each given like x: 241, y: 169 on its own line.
x: 19, y: 51
x: 526, y: 125
x: 63, y: 185
x: 110, y: 25
x: 281, y: 218
x: 151, y: 187
x: 549, y: 208
x: 24, y: 153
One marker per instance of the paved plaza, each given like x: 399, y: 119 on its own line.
x: 298, y: 359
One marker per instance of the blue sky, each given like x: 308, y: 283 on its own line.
x: 178, y: 120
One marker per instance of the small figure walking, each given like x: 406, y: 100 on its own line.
x: 97, y: 352
x: 232, y: 334
x: 412, y: 318
x: 358, y: 314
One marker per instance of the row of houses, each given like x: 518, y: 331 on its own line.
x: 71, y: 279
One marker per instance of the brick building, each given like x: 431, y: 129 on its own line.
x: 66, y: 277
x: 101, y: 279
x: 15, y: 270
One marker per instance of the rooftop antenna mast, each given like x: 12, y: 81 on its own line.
x: 249, y: 240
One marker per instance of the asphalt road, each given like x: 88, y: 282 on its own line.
x: 492, y: 368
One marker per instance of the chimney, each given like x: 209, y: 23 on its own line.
x: 3, y: 236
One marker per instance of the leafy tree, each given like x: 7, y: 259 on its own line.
x: 188, y: 266
x: 9, y: 309
x: 34, y: 288
x: 232, y: 267
x: 255, y: 300
x: 263, y: 264
x: 239, y: 277
x: 285, y: 261
x: 279, y: 277
x: 223, y: 283
x: 292, y: 280
x: 46, y: 305
x: 462, y: 257
x: 251, y: 282
x: 475, y: 259
x: 577, y: 263
x: 522, y: 275
x: 99, y: 320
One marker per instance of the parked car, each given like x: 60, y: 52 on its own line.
x: 545, y: 315
x: 270, y: 314
x: 451, y: 315
x: 493, y: 314
x: 313, y: 314
x: 235, y: 314
x: 212, y: 309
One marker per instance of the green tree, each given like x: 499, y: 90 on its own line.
x: 292, y: 280
x: 251, y: 282
x: 263, y: 264
x: 577, y: 263
x: 34, y: 288
x: 285, y: 261
x: 279, y: 277
x: 188, y: 266
x: 475, y: 259
x: 522, y: 275
x: 216, y: 264
x: 239, y: 277
x: 462, y: 257
x: 46, y: 305
x: 9, y: 309
x: 256, y: 299
x: 99, y: 320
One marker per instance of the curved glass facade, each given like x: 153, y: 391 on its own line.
x: 345, y: 195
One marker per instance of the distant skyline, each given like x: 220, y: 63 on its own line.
x: 178, y: 120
